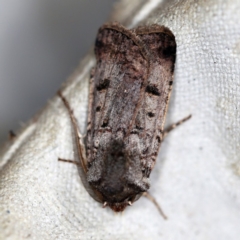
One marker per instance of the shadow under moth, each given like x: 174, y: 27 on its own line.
x: 128, y: 99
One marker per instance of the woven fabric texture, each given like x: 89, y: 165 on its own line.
x: 197, y: 177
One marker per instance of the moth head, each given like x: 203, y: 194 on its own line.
x: 120, y: 206
x: 116, y: 207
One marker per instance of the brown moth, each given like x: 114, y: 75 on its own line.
x: 129, y: 94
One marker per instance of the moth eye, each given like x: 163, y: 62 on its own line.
x: 98, y: 108
x: 150, y: 114
x: 153, y: 90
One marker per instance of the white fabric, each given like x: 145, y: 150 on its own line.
x: 197, y: 176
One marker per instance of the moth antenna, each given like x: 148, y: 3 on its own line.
x: 153, y: 200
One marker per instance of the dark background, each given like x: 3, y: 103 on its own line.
x: 41, y: 43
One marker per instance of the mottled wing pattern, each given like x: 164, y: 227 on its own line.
x: 150, y: 120
x: 121, y: 70
x: 129, y: 95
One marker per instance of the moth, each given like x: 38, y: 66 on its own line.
x: 128, y: 99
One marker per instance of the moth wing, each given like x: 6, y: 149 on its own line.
x: 118, y: 84
x: 161, y: 44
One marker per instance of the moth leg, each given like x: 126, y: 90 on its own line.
x: 153, y: 200
x: 78, y: 136
x: 90, y: 98
x: 171, y: 127
x: 69, y: 161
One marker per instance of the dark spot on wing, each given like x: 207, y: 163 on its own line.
x: 98, y: 108
x: 158, y: 139
x: 150, y: 114
x: 138, y: 127
x: 170, y: 48
x: 105, y: 123
x: 153, y: 90
x: 103, y: 84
